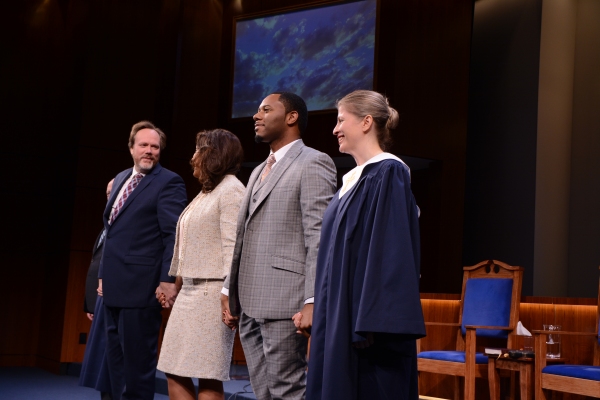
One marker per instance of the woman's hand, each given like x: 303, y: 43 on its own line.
x: 228, y: 319
x: 162, y: 299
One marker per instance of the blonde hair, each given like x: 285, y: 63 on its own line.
x: 367, y: 102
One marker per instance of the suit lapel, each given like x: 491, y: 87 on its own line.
x: 256, y: 174
x: 277, y: 172
x: 140, y: 188
x: 117, y: 185
x: 245, y: 206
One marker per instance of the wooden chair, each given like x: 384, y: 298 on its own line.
x: 576, y: 379
x: 489, y: 307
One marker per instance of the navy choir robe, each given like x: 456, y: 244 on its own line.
x: 368, y: 281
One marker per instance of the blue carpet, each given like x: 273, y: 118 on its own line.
x: 25, y: 383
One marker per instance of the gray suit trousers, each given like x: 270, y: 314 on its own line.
x: 276, y: 358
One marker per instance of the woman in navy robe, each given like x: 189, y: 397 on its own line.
x: 367, y: 313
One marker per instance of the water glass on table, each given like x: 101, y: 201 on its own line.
x: 552, y: 341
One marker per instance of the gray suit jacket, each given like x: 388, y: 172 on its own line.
x: 278, y: 232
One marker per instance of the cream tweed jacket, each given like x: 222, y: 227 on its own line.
x: 206, y: 231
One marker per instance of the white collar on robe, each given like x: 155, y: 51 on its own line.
x: 350, y: 179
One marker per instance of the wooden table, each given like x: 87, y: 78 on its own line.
x: 524, y: 366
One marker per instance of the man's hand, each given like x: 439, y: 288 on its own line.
x: 99, y: 290
x: 90, y: 316
x: 169, y: 291
x: 303, y: 320
x: 228, y: 319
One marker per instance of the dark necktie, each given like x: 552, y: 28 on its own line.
x: 128, y: 190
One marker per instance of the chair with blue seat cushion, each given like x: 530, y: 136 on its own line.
x: 582, y: 380
x: 489, y: 307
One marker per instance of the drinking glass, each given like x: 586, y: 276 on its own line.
x: 552, y: 342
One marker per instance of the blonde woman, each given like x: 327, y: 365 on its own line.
x: 196, y: 342
x: 367, y: 311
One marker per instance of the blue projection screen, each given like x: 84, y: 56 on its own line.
x: 320, y: 54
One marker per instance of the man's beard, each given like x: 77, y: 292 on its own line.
x: 145, y: 166
x: 258, y: 139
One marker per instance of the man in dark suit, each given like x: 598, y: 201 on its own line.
x: 140, y: 221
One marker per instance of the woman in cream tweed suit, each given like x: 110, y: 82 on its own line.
x: 196, y: 343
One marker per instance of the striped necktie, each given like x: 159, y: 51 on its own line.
x: 128, y: 190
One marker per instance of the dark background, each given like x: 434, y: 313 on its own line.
x: 75, y: 75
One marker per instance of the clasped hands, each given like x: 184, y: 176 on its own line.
x: 166, y: 293
x: 302, y: 320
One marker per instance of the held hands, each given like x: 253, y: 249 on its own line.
x: 227, y: 318
x: 166, y: 293
x: 99, y: 290
x: 303, y: 320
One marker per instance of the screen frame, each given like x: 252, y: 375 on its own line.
x: 285, y: 10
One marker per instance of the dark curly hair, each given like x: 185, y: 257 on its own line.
x: 218, y: 153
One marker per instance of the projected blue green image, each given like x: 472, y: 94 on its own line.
x: 320, y: 54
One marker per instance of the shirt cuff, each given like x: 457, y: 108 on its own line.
x: 310, y: 300
x: 225, y: 291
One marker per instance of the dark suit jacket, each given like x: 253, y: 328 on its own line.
x: 139, y: 244
x: 91, y: 281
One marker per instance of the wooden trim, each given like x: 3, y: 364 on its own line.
x: 440, y: 296
x: 571, y: 301
x: 584, y: 387
x: 449, y: 368
x: 567, y: 333
x: 442, y: 324
x: 497, y: 328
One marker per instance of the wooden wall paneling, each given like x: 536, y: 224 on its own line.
x: 238, y: 352
x: 575, y: 318
x: 75, y: 321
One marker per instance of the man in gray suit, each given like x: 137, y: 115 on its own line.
x: 273, y: 268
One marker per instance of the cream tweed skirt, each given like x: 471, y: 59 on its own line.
x: 196, y: 342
